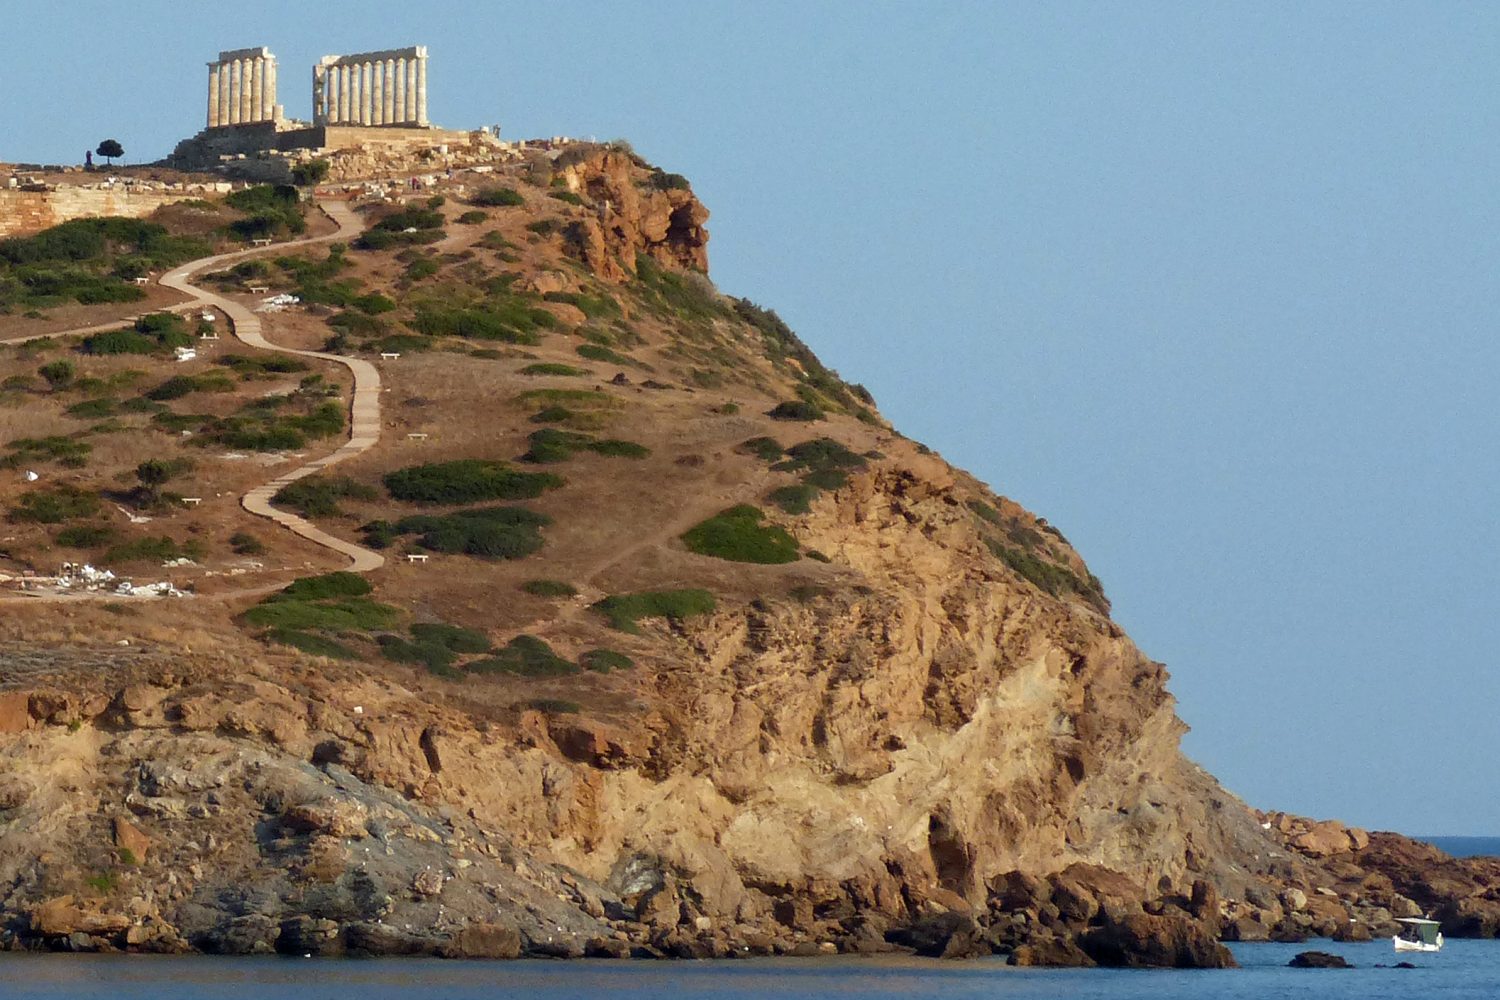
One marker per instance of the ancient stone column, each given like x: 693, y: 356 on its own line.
x: 236, y: 80
x: 398, y: 112
x: 268, y: 102
x: 377, y: 67
x: 421, y: 85
x: 222, y: 117
x: 247, y: 92
x: 387, y: 92
x: 411, y: 90
x: 213, y: 94
x: 257, y: 88
x: 366, y: 78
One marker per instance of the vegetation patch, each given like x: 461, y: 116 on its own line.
x: 625, y: 611
x: 524, y: 656
x: 512, y: 322
x: 159, y: 548
x: 498, y: 197
x: 410, y: 226
x: 552, y: 445
x: 54, y: 506
x: 261, y: 366
x: 86, y: 536
x: 599, y: 305
x: 597, y: 352
x: 602, y: 661
x: 319, y: 496
x: 269, y: 210
x: 467, y: 481
x: 69, y: 452
x: 487, y: 532
x: 307, y: 642
x: 88, y: 261
x: 155, y: 333
x: 432, y: 655
x: 454, y: 637
x: 552, y: 368
x: 549, y: 588
x: 183, y: 385
x: 795, y: 409
x: 264, y: 424
x: 796, y: 498
x: 789, y: 354
x: 739, y: 535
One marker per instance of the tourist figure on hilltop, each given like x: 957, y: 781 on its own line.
x: 88, y: 159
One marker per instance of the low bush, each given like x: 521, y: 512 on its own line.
x: 93, y: 409
x: 319, y: 496
x: 602, y: 661
x: 554, y: 706
x: 242, y: 543
x: 467, y: 481
x: 54, y: 506
x: 596, y: 306
x: 156, y: 333
x: 69, y: 452
x: 317, y: 645
x: 795, y: 409
x: 473, y: 218
x: 487, y: 532
x: 551, y: 368
x: 738, y: 535
x: 986, y: 513
x: 525, y: 656
x: 549, y: 588
x: 434, y: 656
x: 625, y: 611
x: 349, y: 614
x: 764, y: 448
x: 261, y: 366
x: 596, y: 352
x: 454, y: 637
x: 152, y: 549
x: 86, y: 536
x: 796, y: 498
x: 552, y: 445
x: 498, y: 197
x: 317, y: 588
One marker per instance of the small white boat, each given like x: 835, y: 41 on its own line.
x: 1418, y: 935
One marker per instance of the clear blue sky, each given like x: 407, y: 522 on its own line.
x: 1211, y: 286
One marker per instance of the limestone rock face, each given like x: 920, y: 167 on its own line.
x: 665, y: 223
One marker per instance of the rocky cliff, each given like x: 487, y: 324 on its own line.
x: 916, y: 728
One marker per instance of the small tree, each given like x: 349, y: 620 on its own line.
x: 311, y: 172
x: 153, y: 475
x: 109, y: 149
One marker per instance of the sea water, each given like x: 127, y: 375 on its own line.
x: 1466, y: 847
x: 1464, y: 969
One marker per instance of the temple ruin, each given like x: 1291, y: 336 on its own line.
x: 242, y: 88
x: 371, y: 100
x: 372, y: 88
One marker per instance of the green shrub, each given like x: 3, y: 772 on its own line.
x: 155, y: 333
x: 549, y: 588
x: 552, y: 445
x: 261, y: 366
x: 157, y: 549
x: 467, y: 481
x: 454, y: 637
x: 243, y: 543
x: 423, y: 267
x: 597, y: 306
x: 567, y: 196
x: 317, y: 645
x: 316, y: 588
x: 66, y: 451
x: 53, y: 506
x: 434, y: 656
x: 551, y: 368
x: 764, y: 448
x: 820, y: 454
x: 795, y: 409
x: 59, y: 374
x: 596, y: 352
x: 498, y: 197
x: 526, y: 656
x: 511, y: 322
x: 795, y: 499
x: 349, y: 614
x: 602, y: 661
x: 488, y: 532
x: 554, y: 706
x: 543, y: 227
x: 374, y: 304
x: 472, y: 218
x: 319, y: 496
x: 625, y: 611
x: 92, y: 409
x: 986, y: 512
x: 738, y: 535
x: 86, y: 536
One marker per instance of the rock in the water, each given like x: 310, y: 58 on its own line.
x: 1166, y: 941
x: 1319, y: 960
x: 945, y: 935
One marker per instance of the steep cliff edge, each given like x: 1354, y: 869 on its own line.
x: 886, y: 708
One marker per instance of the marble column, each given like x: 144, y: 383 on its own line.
x: 247, y: 91
x: 377, y: 68
x: 340, y: 76
x: 399, y: 116
x: 268, y: 102
x: 366, y: 80
x: 222, y: 116
x: 213, y: 94
x: 411, y: 90
x: 257, y: 89
x: 236, y: 81
x: 422, y: 89
x: 387, y: 92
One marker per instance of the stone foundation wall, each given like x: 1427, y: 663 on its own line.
x: 25, y: 212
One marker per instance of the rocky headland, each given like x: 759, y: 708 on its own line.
x: 919, y: 731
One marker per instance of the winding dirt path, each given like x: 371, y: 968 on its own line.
x: 364, y: 409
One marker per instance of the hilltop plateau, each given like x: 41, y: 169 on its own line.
x: 660, y: 639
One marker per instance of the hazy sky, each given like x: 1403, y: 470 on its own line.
x: 1211, y: 286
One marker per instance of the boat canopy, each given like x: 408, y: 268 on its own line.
x: 1427, y: 929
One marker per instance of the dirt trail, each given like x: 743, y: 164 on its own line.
x: 364, y: 407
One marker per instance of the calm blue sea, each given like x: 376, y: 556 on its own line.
x: 1464, y: 969
x: 1466, y: 847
